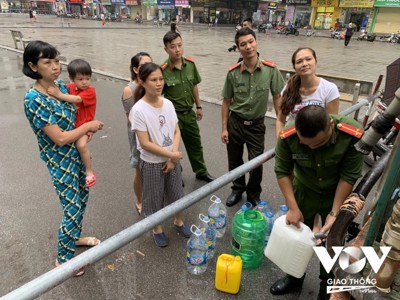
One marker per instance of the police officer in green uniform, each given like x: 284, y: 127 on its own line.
x: 246, y: 91
x: 316, y: 165
x: 181, y: 79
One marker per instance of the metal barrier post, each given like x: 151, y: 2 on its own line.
x: 356, y: 94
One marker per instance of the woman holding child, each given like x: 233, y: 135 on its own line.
x: 53, y: 122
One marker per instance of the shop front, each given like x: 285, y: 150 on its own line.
x: 356, y: 11
x: 4, y: 6
x: 325, y: 13
x: 75, y: 7
x: 274, y: 12
x: 166, y: 9
x: 386, y: 18
x: 149, y: 9
x: 44, y: 7
x: 133, y: 8
x: 118, y: 7
x: 299, y: 12
x: 183, y: 8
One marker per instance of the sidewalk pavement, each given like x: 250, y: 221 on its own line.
x: 109, y: 48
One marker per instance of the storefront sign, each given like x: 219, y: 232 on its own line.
x: 326, y: 3
x: 120, y: 2
x: 387, y: 3
x: 296, y: 2
x: 149, y: 2
x: 181, y: 2
x: 131, y: 2
x: 165, y: 3
x: 357, y: 3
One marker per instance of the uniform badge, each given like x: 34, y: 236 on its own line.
x: 349, y: 129
x: 283, y: 134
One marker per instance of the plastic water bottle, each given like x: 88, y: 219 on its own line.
x: 218, y: 216
x: 283, y: 209
x: 211, y: 235
x: 196, y: 252
x: 248, y: 236
x: 262, y: 205
x: 270, y: 218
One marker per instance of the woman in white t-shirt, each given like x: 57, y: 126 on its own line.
x: 155, y: 123
x: 306, y: 88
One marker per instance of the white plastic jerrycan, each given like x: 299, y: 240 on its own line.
x: 289, y: 247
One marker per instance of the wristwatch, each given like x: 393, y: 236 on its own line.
x: 199, y: 107
x: 333, y: 214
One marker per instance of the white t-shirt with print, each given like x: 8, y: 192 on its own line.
x: 160, y: 124
x: 325, y: 93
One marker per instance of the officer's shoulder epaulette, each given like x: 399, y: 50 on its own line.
x: 188, y: 58
x: 164, y: 66
x: 350, y: 129
x: 233, y: 67
x: 287, y: 132
x: 269, y: 63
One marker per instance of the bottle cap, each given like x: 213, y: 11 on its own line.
x: 284, y: 208
x: 204, y: 218
x: 246, y: 206
x: 195, y: 230
x: 215, y: 199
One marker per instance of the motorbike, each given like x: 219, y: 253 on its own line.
x: 138, y: 20
x: 264, y: 27
x: 371, y: 37
x: 336, y: 34
x: 281, y: 29
x: 390, y: 38
x: 292, y: 30
x: 364, y: 36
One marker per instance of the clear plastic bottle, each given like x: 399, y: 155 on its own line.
x: 283, y: 209
x: 218, y: 216
x: 211, y: 235
x: 262, y: 205
x: 196, y: 252
x: 270, y: 218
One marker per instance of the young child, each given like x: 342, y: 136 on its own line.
x: 156, y: 126
x: 84, y: 97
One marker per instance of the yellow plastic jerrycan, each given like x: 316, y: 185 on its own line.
x: 228, y: 273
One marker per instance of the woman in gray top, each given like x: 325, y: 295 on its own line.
x: 127, y: 101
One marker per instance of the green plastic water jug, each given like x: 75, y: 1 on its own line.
x: 248, y: 237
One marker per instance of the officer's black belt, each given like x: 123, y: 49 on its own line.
x: 247, y: 122
x: 184, y: 112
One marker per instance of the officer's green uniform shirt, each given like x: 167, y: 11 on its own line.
x: 320, y: 169
x: 179, y: 84
x: 250, y: 91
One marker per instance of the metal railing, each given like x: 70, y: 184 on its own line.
x: 56, y: 276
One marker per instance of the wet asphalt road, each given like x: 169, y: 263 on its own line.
x: 30, y: 213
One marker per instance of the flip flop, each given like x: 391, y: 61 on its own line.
x: 80, y: 272
x: 138, y: 211
x: 90, y: 242
x: 91, y: 180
